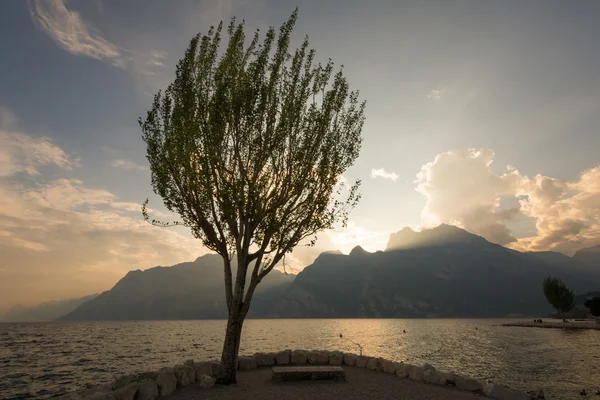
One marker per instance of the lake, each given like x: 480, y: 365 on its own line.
x: 40, y: 360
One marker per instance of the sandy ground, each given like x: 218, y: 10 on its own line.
x: 361, y: 384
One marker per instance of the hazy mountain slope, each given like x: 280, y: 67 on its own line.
x: 443, y: 272
x: 590, y: 256
x: 46, y: 311
x: 193, y: 290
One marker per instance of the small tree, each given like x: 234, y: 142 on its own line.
x: 593, y: 305
x: 248, y: 148
x: 559, y: 295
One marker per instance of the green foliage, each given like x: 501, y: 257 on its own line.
x: 558, y: 295
x: 248, y: 145
x: 594, y: 306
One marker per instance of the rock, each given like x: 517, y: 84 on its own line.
x: 450, y: 378
x: 126, y: 393
x: 123, y: 381
x: 189, y: 362
x: 206, y: 381
x: 215, y: 367
x: 501, y: 392
x: 470, y: 384
x: 402, y: 370
x: 95, y: 389
x: 350, y: 359
x: 336, y: 359
x: 246, y: 363
x: 389, y: 367
x: 298, y: 357
x: 313, y: 357
x: 361, y: 361
x: 264, y: 359
x: 100, y: 396
x: 147, y: 390
x: 166, y: 381
x: 202, y: 368
x: 374, y: 364
x: 428, y: 367
x: 433, y: 376
x: 185, y: 374
x: 415, y: 373
x: 283, y: 357
x: 539, y: 394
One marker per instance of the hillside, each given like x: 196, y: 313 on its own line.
x: 192, y: 290
x: 441, y: 272
x: 46, y: 311
x: 590, y: 256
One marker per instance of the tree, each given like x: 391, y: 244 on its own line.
x: 594, y: 306
x: 249, y: 148
x: 559, y: 295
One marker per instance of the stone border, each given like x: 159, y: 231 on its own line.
x: 557, y: 325
x: 154, y: 385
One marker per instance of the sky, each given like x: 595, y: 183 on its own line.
x: 482, y: 114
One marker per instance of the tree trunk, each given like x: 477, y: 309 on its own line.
x: 563, y: 317
x: 231, y: 347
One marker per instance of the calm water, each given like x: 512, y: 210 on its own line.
x: 42, y: 360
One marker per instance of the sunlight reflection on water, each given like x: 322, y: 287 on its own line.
x: 41, y: 360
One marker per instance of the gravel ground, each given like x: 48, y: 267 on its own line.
x: 361, y: 384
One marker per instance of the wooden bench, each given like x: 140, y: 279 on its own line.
x: 309, y: 372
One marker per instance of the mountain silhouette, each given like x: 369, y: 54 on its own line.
x: 191, y: 290
x: 590, y: 256
x: 48, y: 311
x: 440, y: 272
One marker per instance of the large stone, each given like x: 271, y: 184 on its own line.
x: 189, y: 362
x: 126, y: 393
x: 91, y: 389
x: 147, y: 390
x: 402, y: 370
x: 166, y: 381
x: 470, y: 384
x: 350, y: 359
x: 389, y: 367
x: 298, y: 357
x: 206, y: 381
x: 428, y: 367
x: 202, y: 368
x: 215, y: 367
x: 314, y: 357
x: 246, y: 363
x: 374, y: 364
x: 361, y: 361
x: 283, y: 357
x: 100, y: 396
x: 450, y: 378
x: 185, y: 374
x: 415, y: 373
x: 123, y: 381
x: 264, y: 359
x: 433, y: 376
x: 336, y: 358
x: 500, y: 392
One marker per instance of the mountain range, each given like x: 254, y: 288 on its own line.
x: 440, y: 272
x: 46, y: 311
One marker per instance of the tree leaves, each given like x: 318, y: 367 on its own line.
x: 558, y: 294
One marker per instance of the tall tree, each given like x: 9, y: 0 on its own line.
x: 248, y: 146
x: 559, y: 295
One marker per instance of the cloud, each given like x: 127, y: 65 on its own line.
x: 127, y: 164
x: 23, y: 153
x: 60, y: 238
x: 567, y: 213
x: 435, y: 94
x: 461, y: 189
x: 68, y: 29
x: 382, y: 173
x: 354, y: 235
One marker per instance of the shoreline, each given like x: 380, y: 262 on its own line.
x: 192, y: 377
x: 592, y: 325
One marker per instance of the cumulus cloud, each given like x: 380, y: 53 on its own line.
x: 60, y: 238
x: 127, y: 164
x: 68, y: 29
x: 435, y: 94
x: 461, y: 189
x: 382, y: 173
